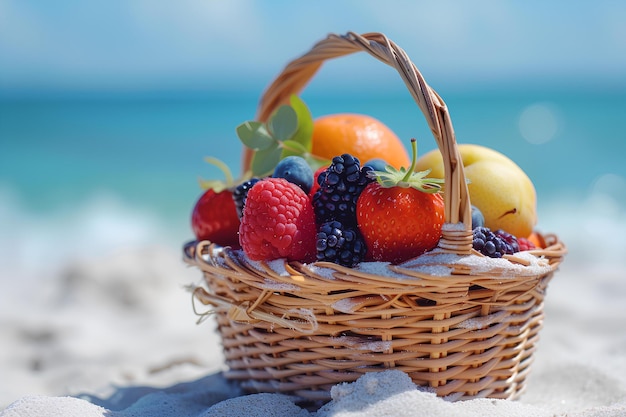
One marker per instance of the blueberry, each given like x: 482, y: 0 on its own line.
x: 377, y: 164
x: 295, y: 170
x: 478, y: 220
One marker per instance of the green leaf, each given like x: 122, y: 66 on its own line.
x: 304, y: 133
x: 254, y: 135
x: 264, y: 161
x: 316, y: 162
x: 291, y: 148
x: 283, y: 123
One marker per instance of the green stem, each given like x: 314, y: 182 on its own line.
x: 223, y: 167
x: 409, y: 172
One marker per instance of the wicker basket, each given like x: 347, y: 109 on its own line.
x: 462, y: 324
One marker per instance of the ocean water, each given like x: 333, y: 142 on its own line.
x: 79, y: 176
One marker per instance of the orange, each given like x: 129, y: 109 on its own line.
x: 537, y: 240
x: 359, y: 135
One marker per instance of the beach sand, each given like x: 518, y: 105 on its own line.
x: 116, y: 335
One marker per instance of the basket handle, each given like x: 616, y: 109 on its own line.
x: 457, y: 235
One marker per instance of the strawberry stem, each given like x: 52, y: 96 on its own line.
x: 217, y: 185
x: 409, y: 171
x: 222, y: 166
x: 407, y: 178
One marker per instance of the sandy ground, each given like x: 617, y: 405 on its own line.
x: 116, y: 335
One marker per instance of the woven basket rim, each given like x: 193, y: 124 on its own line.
x: 413, y: 276
x: 396, y: 275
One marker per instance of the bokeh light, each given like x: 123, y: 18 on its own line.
x: 539, y: 123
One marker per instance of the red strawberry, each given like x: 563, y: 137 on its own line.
x: 278, y: 222
x: 400, y: 215
x: 316, y: 184
x: 399, y: 223
x: 215, y: 218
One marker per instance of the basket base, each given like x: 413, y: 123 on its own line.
x: 300, y: 330
x: 495, y: 365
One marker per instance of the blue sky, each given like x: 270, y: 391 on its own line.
x: 148, y: 45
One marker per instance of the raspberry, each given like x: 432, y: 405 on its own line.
x: 278, y: 222
x: 490, y: 244
x: 525, y: 244
x: 340, y: 187
x: 341, y: 245
x: 241, y: 192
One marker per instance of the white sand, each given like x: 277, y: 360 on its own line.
x: 116, y: 336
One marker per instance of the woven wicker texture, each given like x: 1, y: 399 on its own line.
x: 460, y: 323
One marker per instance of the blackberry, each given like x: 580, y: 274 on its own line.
x: 340, y: 187
x: 321, y: 177
x: 489, y: 243
x: 241, y: 192
x: 508, y: 238
x: 339, y: 244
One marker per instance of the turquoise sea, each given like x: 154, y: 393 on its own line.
x: 95, y: 173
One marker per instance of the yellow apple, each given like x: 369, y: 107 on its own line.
x: 497, y: 186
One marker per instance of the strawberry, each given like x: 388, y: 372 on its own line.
x: 278, y: 222
x: 215, y: 218
x: 401, y: 214
x: 316, y: 181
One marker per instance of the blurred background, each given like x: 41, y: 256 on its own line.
x: 107, y: 110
